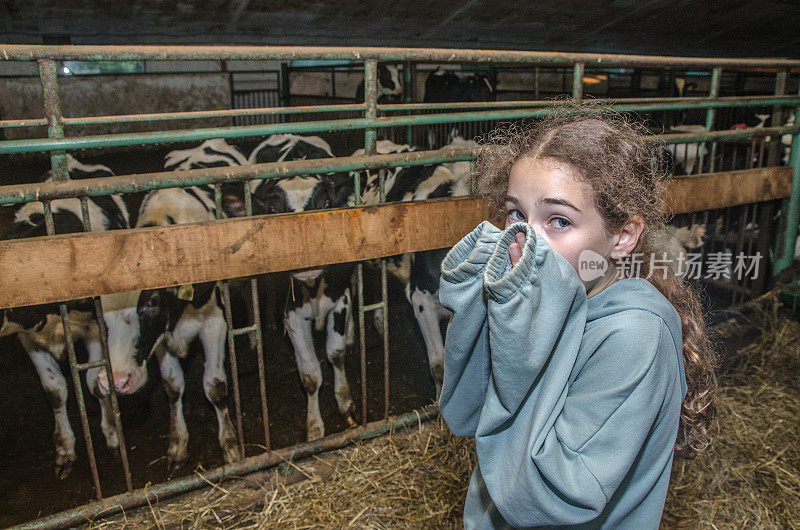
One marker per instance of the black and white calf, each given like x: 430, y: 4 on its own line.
x: 322, y: 297
x: 170, y: 319
x: 419, y: 272
x: 39, y: 328
x: 389, y: 87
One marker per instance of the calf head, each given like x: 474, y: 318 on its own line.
x: 159, y: 310
x: 122, y: 324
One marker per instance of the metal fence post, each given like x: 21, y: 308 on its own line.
x: 790, y: 207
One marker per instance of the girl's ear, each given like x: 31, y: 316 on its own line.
x: 628, y: 237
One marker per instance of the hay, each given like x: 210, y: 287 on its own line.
x: 409, y: 480
x: 749, y: 479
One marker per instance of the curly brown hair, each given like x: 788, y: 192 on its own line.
x: 628, y: 177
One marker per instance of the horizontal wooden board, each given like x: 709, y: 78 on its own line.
x: 730, y: 188
x: 66, y: 267
x: 59, y: 268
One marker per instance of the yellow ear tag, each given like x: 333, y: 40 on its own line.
x: 186, y: 292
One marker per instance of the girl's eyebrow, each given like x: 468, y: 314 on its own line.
x: 560, y: 201
x: 511, y: 198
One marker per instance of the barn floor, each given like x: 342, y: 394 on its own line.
x: 418, y: 479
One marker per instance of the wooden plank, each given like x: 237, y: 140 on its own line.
x: 58, y: 268
x: 730, y: 188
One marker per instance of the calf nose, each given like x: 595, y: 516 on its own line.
x: 122, y: 381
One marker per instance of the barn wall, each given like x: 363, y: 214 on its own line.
x: 21, y: 98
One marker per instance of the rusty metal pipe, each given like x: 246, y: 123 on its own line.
x: 12, y: 52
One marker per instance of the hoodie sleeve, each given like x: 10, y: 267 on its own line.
x: 553, y: 449
x: 466, y: 349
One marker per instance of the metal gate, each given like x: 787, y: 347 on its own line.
x: 734, y: 192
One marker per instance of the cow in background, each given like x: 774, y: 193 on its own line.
x: 390, y: 89
x: 442, y: 86
x: 39, y: 328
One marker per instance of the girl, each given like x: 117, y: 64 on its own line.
x: 574, y: 380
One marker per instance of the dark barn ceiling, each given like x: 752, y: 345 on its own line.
x: 767, y: 28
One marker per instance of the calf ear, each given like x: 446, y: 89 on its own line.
x: 153, y: 310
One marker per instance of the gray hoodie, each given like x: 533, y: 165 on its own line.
x: 574, y: 403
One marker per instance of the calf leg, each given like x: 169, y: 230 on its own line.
x: 215, y: 383
x: 55, y: 386
x: 336, y: 348
x: 427, y: 310
x: 174, y: 385
x: 298, y: 319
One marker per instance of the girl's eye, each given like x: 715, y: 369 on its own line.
x: 515, y: 215
x: 560, y: 223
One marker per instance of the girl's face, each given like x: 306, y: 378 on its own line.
x: 549, y: 196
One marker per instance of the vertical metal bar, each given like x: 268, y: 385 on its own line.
x: 257, y: 333
x: 370, y: 103
x: 791, y: 207
x: 112, y: 391
x: 48, y: 218
x: 73, y: 363
x: 775, y: 146
x: 577, y: 81
x: 52, y: 112
x: 536, y: 83
x: 226, y: 307
x: 76, y: 381
x: 408, y: 96
x: 370, y: 136
x: 384, y: 300
x: 713, y: 92
x: 226, y: 304
x: 262, y: 375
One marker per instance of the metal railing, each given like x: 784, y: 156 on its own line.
x: 374, y: 117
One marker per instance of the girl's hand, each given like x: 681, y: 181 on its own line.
x: 515, y: 249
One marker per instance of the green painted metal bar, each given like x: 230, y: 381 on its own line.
x: 159, y: 492
x: 311, y: 109
x: 115, y: 140
x: 713, y: 92
x: 408, y: 96
x: 170, y: 116
x: 577, y: 81
x: 791, y: 207
x: 390, y: 54
x: 52, y: 113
